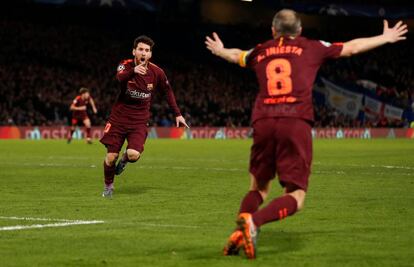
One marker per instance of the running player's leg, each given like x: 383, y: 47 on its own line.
x: 87, y: 123
x: 113, y: 139
x: 294, y: 157
x: 136, y: 140
x: 74, y: 122
x: 262, y: 171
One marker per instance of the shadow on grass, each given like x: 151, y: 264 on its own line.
x: 271, y: 243
x: 276, y: 242
x: 134, y: 189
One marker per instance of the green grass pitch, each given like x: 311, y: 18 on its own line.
x: 177, y: 205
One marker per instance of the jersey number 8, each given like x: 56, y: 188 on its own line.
x: 278, y: 73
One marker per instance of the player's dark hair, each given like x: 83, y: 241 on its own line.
x: 144, y: 39
x: 287, y: 22
x: 83, y: 90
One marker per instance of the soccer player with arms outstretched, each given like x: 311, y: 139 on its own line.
x: 282, y: 117
x: 138, y: 79
x: 79, y: 114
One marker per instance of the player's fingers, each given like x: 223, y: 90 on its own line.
x: 403, y: 32
x: 209, y: 39
x: 209, y: 44
x: 402, y: 38
x: 403, y: 27
x: 398, y: 24
x: 215, y: 36
x: 385, y: 24
x: 185, y: 124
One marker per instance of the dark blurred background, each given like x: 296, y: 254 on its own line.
x: 51, y: 48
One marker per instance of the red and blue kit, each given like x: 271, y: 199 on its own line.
x: 80, y: 115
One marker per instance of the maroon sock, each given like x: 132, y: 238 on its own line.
x: 278, y: 209
x: 109, y: 173
x: 88, y: 132
x: 251, y: 202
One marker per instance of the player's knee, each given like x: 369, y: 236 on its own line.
x: 262, y: 187
x: 111, y: 158
x: 87, y: 123
x: 264, y: 194
x: 299, y: 195
x: 133, y: 155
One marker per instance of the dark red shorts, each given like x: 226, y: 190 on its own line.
x: 78, y: 121
x: 282, y: 146
x: 116, y: 134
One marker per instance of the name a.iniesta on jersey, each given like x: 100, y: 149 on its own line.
x: 277, y: 50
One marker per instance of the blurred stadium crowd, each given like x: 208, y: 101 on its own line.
x: 43, y: 66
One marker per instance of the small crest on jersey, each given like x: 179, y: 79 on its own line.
x: 121, y: 67
x: 327, y: 44
x: 150, y: 86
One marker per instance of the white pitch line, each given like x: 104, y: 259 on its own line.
x: 62, y: 224
x: 36, y: 219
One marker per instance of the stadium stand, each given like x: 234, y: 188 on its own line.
x: 43, y: 65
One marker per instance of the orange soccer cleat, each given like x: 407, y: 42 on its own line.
x: 249, y: 231
x: 234, y: 243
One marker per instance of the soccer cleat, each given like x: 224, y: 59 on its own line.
x: 89, y: 141
x: 234, y: 243
x: 249, y: 232
x: 107, y: 193
x: 120, y: 167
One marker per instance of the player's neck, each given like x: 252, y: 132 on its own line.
x: 289, y: 37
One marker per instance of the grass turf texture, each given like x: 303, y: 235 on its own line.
x: 177, y: 205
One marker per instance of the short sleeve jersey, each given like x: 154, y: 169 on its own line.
x: 286, y: 70
x: 79, y: 102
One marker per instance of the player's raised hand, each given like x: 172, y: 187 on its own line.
x: 141, y: 69
x: 180, y: 119
x: 214, y: 44
x: 395, y: 33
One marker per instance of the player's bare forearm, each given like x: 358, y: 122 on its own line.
x: 230, y: 54
x: 216, y: 46
x: 93, y: 106
x: 74, y: 108
x: 361, y: 45
x: 389, y: 35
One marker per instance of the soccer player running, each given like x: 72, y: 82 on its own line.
x: 138, y: 78
x: 79, y: 114
x: 282, y: 117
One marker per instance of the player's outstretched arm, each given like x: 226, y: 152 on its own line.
x: 216, y: 46
x: 389, y: 35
